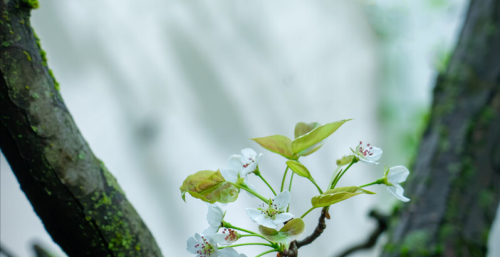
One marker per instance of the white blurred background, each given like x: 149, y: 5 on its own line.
x: 162, y: 89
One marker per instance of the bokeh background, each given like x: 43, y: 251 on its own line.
x: 162, y: 89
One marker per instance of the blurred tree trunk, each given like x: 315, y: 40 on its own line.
x: 455, y: 184
x: 78, y: 200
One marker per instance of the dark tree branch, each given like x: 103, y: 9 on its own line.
x: 372, y: 240
x: 455, y: 185
x: 78, y: 200
x: 293, y: 250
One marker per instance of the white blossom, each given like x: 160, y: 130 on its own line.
x: 274, y: 214
x: 393, y: 177
x: 367, y: 154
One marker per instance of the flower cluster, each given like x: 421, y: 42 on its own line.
x: 277, y: 227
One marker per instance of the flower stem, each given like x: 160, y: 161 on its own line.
x: 307, y: 212
x: 314, y: 182
x: 290, y: 190
x: 283, y: 181
x: 266, y: 252
x: 342, y: 174
x: 244, y: 187
x: 376, y: 182
x: 240, y: 229
x: 245, y: 244
x: 334, y: 175
x: 270, y: 187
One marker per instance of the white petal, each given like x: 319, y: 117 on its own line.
x: 215, y: 215
x: 228, y: 252
x: 254, y: 214
x: 376, y: 153
x: 398, y: 191
x: 282, y: 199
x: 236, y: 162
x: 267, y: 222
x: 210, y: 230
x: 248, y: 154
x: 221, y: 239
x: 363, y: 159
x: 282, y: 217
x: 229, y: 174
x: 191, y: 242
x: 397, y: 174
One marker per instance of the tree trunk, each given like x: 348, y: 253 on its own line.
x: 79, y: 202
x: 455, y: 184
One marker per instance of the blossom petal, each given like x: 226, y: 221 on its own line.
x: 191, y: 242
x: 215, y: 215
x: 254, y: 214
x: 397, y: 174
x: 230, y: 252
x: 221, y: 239
x: 376, y: 153
x: 282, y: 199
x: 397, y: 191
x: 282, y: 217
x: 248, y: 154
x: 267, y: 222
x: 229, y: 174
x: 236, y: 162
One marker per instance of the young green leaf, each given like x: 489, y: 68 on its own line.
x: 298, y: 168
x: 277, y: 144
x: 209, y: 186
x: 336, y: 195
x: 302, y: 128
x: 286, y: 234
x: 315, y: 136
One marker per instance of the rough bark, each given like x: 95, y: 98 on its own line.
x: 78, y: 200
x: 455, y: 184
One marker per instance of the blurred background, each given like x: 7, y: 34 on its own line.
x: 162, y: 89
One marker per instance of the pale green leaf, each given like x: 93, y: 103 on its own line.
x: 277, y: 144
x: 298, y: 168
x: 209, y: 186
x: 315, y: 136
x: 336, y: 195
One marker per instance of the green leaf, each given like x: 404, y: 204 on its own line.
x: 277, y: 144
x: 209, y: 186
x: 286, y: 234
x: 302, y: 128
x: 298, y: 168
x: 336, y: 195
x: 315, y: 136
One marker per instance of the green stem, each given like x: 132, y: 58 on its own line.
x: 342, y: 174
x: 244, y: 187
x: 266, y: 252
x: 245, y: 244
x: 376, y: 182
x: 290, y: 190
x: 314, y: 182
x: 260, y: 176
x: 334, y: 175
x: 251, y: 233
x: 283, y: 181
x: 307, y: 212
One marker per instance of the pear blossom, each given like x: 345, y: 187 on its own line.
x: 226, y: 237
x: 274, y: 214
x: 214, y: 217
x: 202, y: 246
x: 205, y: 246
x: 367, y: 154
x: 393, y: 177
x: 240, y: 166
x: 246, y: 162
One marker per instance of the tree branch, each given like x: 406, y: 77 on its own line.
x: 293, y: 250
x: 78, y: 200
x: 372, y: 239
